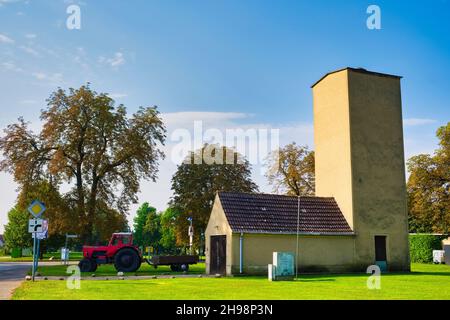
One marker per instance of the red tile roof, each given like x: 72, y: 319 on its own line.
x: 270, y: 213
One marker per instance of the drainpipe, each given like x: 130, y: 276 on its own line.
x: 241, y: 257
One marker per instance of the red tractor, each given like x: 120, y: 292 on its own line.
x: 120, y: 251
x: 127, y: 257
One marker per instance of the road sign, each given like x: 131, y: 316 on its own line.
x: 35, y: 225
x: 36, y: 208
x: 44, y: 234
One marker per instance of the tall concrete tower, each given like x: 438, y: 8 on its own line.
x: 358, y: 135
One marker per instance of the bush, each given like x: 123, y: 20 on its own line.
x: 422, y: 245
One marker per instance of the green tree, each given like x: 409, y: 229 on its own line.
x: 168, y: 230
x: 429, y: 187
x: 152, y: 230
x: 90, y: 144
x: 16, y: 231
x: 140, y: 237
x: 197, y: 180
x: 291, y: 170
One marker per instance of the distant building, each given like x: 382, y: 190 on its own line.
x: 359, y: 215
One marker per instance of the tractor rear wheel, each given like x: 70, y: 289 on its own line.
x: 184, y: 267
x: 127, y: 260
x: 87, y: 265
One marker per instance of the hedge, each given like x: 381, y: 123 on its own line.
x: 421, y: 246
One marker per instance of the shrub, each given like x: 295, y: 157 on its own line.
x: 422, y: 245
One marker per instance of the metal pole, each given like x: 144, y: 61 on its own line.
x: 34, y: 256
x: 241, y: 256
x: 65, y: 250
x: 37, y: 253
x: 298, y: 227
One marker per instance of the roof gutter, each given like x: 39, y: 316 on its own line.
x: 300, y: 233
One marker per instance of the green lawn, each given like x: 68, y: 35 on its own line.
x: 74, y: 256
x: 109, y: 270
x: 424, y: 282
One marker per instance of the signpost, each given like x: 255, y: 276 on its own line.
x: 38, y: 228
x: 65, y: 251
x: 191, y: 234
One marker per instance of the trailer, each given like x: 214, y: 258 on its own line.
x: 176, y: 263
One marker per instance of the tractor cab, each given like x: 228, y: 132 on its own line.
x: 121, y: 239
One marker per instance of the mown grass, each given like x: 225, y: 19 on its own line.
x: 109, y: 270
x: 424, y: 282
x: 74, y: 256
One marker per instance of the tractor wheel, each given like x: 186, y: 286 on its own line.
x: 174, y: 267
x: 94, y: 266
x: 87, y: 265
x: 184, y: 267
x: 127, y: 260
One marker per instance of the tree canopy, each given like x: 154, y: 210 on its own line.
x: 291, y: 170
x: 196, y: 182
x: 90, y: 145
x: 429, y: 187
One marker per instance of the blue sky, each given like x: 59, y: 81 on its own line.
x: 234, y: 63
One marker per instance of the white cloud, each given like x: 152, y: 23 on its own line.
x: 117, y: 60
x: 6, y: 39
x: 118, y: 95
x: 52, y: 78
x: 417, y: 121
x: 4, y: 2
x: 29, y: 51
x: 30, y: 36
x: 11, y: 66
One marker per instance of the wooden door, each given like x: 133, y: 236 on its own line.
x: 380, y: 248
x: 218, y: 258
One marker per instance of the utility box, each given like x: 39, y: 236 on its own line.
x: 65, y: 254
x: 438, y: 256
x: 282, y: 267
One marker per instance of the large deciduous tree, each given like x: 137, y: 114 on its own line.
x: 198, y: 179
x: 429, y: 187
x: 291, y: 170
x: 91, y: 145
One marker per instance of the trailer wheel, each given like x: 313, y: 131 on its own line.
x: 87, y: 265
x: 127, y: 260
x: 174, y: 267
x: 184, y: 267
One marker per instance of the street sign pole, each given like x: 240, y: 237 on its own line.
x: 36, y: 209
x: 34, y: 258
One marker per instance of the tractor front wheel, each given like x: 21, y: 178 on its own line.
x: 87, y: 265
x: 127, y: 260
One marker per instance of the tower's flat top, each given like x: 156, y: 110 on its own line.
x: 360, y: 70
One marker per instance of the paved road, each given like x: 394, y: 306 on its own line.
x: 11, y: 275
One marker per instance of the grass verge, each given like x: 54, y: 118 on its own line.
x: 424, y: 282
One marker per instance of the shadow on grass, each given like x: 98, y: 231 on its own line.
x: 314, y: 280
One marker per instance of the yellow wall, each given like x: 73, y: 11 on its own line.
x: 331, y: 141
x: 316, y: 253
x: 360, y: 159
x: 218, y: 225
